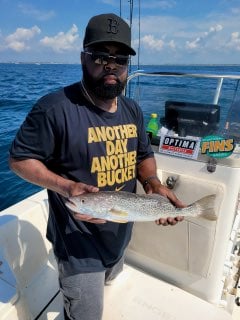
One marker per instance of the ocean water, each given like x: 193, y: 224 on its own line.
x: 22, y: 84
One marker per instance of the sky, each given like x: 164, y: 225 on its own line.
x: 170, y: 31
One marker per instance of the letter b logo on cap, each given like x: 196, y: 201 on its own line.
x: 112, y: 26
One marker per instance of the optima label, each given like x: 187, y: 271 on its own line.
x: 184, y: 147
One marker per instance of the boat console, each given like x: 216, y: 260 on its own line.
x: 191, y: 118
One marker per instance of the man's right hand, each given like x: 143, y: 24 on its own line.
x: 78, y: 188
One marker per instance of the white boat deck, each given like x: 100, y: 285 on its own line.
x: 136, y: 295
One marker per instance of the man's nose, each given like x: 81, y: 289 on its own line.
x: 111, y: 65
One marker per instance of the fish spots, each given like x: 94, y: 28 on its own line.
x: 125, y: 206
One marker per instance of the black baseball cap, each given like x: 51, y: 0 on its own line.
x: 108, y: 28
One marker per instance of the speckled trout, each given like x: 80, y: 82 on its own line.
x: 124, y: 206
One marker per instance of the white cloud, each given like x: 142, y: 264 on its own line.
x: 202, y: 40
x: 214, y: 29
x: 235, y: 10
x: 158, y: 4
x: 17, y: 46
x: 172, y: 44
x: 193, y: 44
x: 62, y: 41
x: 149, y: 41
x: 23, y: 34
x: 189, y: 39
x: 18, y: 41
x: 40, y: 15
x: 234, y: 41
x: 161, y: 24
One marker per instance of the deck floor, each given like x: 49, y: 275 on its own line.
x: 136, y: 295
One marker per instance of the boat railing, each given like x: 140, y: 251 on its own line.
x: 220, y: 78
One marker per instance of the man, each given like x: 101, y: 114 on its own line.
x: 85, y: 138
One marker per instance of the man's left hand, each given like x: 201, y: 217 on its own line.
x: 164, y: 191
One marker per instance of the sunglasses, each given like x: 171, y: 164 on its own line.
x: 103, y: 58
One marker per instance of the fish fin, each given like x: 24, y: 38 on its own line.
x: 207, y: 207
x: 118, y: 212
x: 118, y: 221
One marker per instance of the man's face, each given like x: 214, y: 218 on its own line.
x: 105, y: 76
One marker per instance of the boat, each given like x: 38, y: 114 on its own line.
x: 187, y: 271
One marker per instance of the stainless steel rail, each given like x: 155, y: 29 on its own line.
x: 220, y: 77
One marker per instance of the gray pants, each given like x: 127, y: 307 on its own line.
x: 83, y: 293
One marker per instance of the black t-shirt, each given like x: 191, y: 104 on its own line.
x: 81, y: 142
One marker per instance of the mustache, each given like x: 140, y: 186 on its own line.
x: 107, y: 74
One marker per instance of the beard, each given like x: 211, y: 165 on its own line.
x: 101, y: 90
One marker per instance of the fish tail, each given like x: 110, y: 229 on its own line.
x: 207, y: 207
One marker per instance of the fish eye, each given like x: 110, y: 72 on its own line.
x: 82, y: 201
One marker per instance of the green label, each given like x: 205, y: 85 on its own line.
x: 217, y: 147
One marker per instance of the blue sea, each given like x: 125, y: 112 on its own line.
x: 22, y: 84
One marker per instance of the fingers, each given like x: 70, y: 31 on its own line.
x: 179, y: 219
x: 174, y: 200
x: 164, y: 191
x: 169, y: 221
x: 89, y: 188
x: 77, y: 188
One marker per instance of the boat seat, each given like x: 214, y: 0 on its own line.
x: 28, y: 274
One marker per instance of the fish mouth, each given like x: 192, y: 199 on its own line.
x: 71, y: 202
x: 71, y: 205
